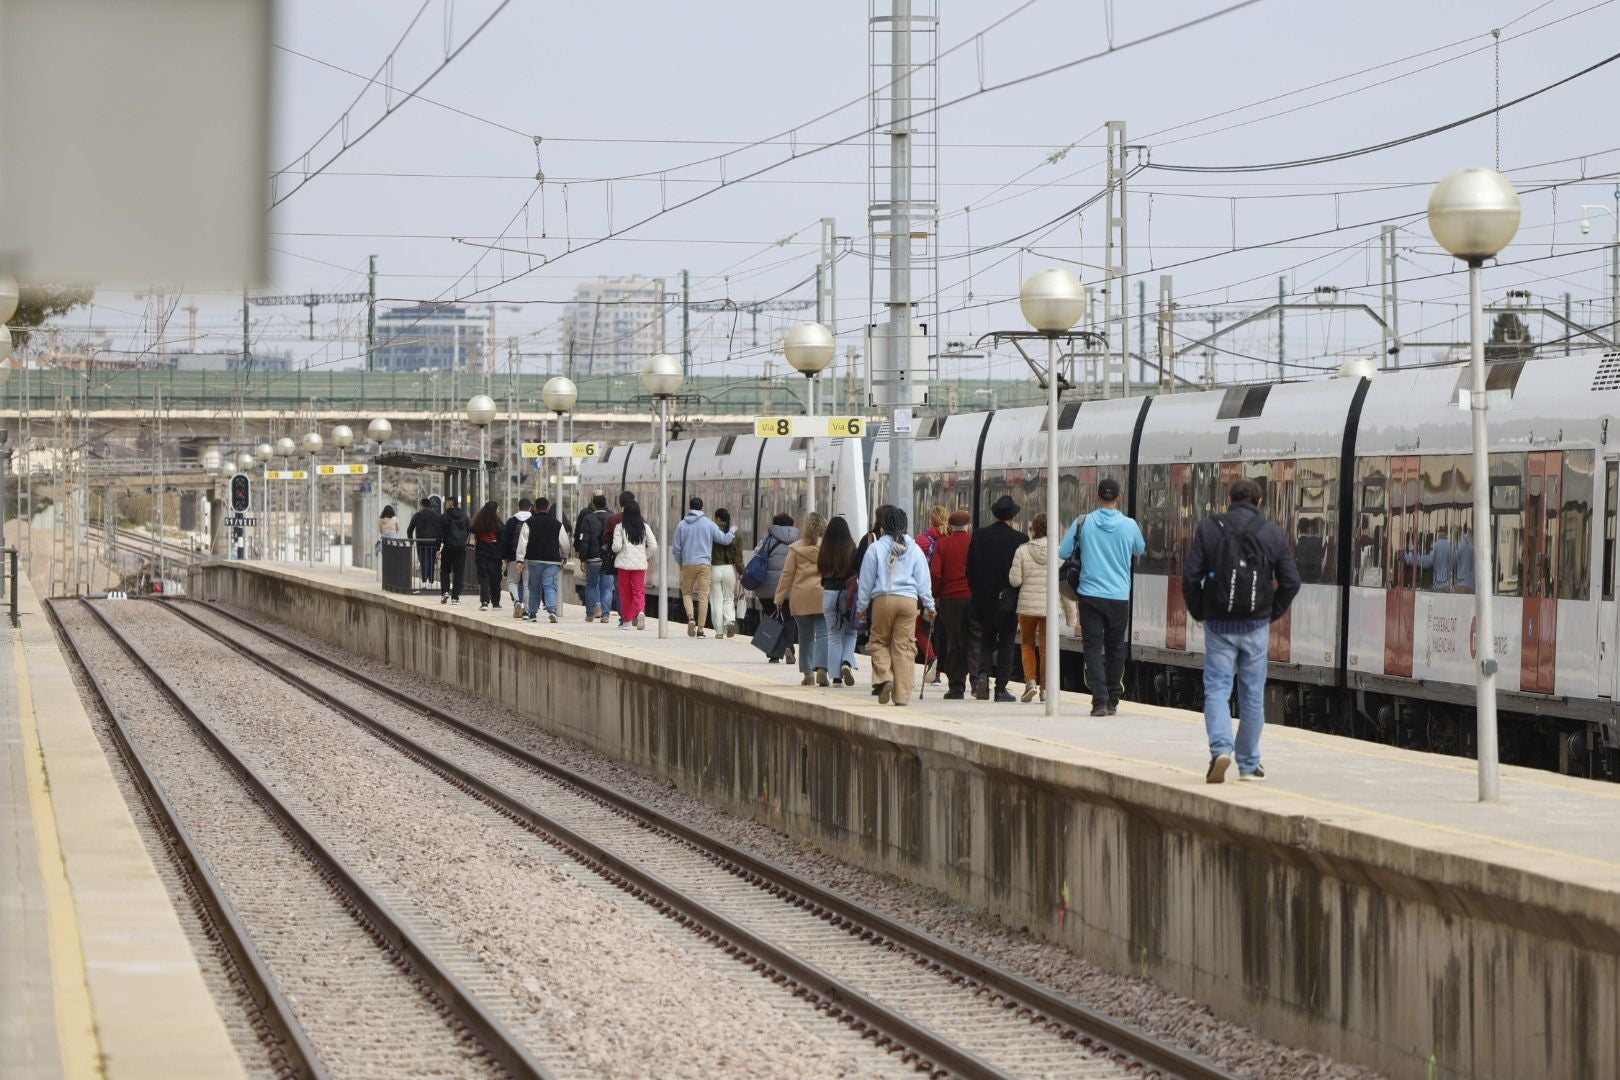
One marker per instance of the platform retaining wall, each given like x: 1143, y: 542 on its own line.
x: 1417, y: 962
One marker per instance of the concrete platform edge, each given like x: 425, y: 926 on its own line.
x: 151, y: 1012
x: 1414, y: 950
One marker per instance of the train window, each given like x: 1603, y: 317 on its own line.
x: 1066, y: 418
x: 1315, y: 535
x: 1367, y: 554
x: 1575, y: 527
x: 726, y: 443
x: 1611, y: 492
x: 1499, y: 375
x: 1507, y: 523
x: 1243, y: 401
x: 1155, y: 514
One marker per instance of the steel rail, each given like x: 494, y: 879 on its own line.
x: 283, y: 1037
x: 831, y: 993
x: 1041, y: 1004
x: 369, y: 909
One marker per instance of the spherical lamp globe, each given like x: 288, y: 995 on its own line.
x: 312, y: 442
x: 481, y: 410
x: 559, y: 394
x: 1474, y: 213
x: 245, y: 461
x: 285, y: 447
x: 379, y: 431
x: 809, y: 347
x: 1052, y: 300
x: 263, y: 452
x: 662, y: 375
x: 8, y: 297
x: 343, y: 436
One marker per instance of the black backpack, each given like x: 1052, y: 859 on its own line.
x: 1240, y: 578
x: 588, y: 536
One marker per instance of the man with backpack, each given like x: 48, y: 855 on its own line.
x: 589, y: 529
x: 1108, y: 541
x: 454, y: 529
x: 1239, y: 577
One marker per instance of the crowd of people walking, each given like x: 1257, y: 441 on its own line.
x: 969, y: 605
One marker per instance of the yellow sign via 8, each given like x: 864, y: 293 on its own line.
x: 559, y: 449
x: 817, y: 427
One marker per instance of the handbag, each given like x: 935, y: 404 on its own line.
x: 1069, y: 572
x: 1007, y: 602
x: 769, y: 634
x: 759, y: 567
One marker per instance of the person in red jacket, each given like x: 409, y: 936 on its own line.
x: 948, y: 568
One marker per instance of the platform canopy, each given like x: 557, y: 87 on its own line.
x: 460, y: 473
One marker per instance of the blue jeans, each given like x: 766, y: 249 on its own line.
x: 1245, y: 654
x: 840, y: 632
x: 812, y: 642
x: 598, y: 589
x: 542, y: 586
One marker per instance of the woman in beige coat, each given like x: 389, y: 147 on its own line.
x: 1028, y: 576
x: 800, y: 588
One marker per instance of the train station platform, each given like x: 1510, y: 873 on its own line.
x: 96, y: 973
x: 1359, y: 902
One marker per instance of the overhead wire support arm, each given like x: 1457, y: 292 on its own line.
x: 1016, y: 338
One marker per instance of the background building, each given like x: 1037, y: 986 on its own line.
x: 431, y: 337
x: 613, y: 324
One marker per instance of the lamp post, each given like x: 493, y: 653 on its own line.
x: 379, y: 431
x: 1614, y: 258
x: 662, y: 377
x: 480, y: 414
x: 311, y: 445
x: 342, y: 438
x: 809, y: 347
x: 262, y: 454
x: 1474, y: 213
x: 285, y: 449
x: 1052, y: 302
x: 559, y: 394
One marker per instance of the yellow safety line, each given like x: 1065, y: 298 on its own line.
x: 76, y: 1036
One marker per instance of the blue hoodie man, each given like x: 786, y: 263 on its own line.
x: 1108, y: 542
x: 693, y: 547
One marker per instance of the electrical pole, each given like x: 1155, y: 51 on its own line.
x: 1390, y: 306
x: 1282, y: 316
x: 371, y: 314
x: 1141, y: 331
x: 901, y: 486
x: 1116, y: 300
x: 686, y: 321
x: 247, y: 342
x: 1167, y: 341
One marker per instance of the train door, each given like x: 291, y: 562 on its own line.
x: 1400, y: 597
x: 1280, y: 502
x: 1539, y: 632
x: 1608, y: 610
x: 1183, y: 520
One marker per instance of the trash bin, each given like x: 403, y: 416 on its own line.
x: 398, y: 564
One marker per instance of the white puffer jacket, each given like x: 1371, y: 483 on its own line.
x: 1029, y: 574
x: 628, y: 556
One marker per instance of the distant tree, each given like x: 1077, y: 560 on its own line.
x: 1510, y: 339
x: 38, y: 303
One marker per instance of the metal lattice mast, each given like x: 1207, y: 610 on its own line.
x: 1116, y: 269
x: 903, y: 207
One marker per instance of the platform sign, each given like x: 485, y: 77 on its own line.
x: 813, y: 427
x: 555, y: 479
x: 240, y: 521
x: 287, y: 474
x: 559, y: 450
x: 342, y: 470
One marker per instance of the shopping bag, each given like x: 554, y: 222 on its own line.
x: 769, y: 634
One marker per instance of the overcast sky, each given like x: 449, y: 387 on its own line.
x: 647, y: 88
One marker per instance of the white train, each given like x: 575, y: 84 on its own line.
x: 1371, y: 479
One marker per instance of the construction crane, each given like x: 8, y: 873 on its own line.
x: 311, y: 301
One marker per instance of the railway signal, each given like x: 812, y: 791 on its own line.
x: 240, y: 497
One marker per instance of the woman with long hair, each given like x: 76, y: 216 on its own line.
x: 486, y: 534
x: 836, y: 564
x: 894, y: 587
x: 800, y: 589
x: 633, y: 548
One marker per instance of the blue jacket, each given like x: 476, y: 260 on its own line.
x: 1108, y: 541
x: 695, y: 538
x: 908, y: 577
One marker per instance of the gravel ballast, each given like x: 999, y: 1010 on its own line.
x: 1134, y: 999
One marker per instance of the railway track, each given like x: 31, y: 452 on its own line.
x: 944, y: 1010
x: 277, y: 897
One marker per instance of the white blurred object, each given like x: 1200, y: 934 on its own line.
x: 136, y: 136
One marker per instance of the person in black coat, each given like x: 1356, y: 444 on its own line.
x: 454, y: 529
x: 993, y: 616
x: 424, y: 529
